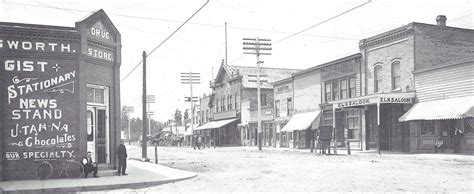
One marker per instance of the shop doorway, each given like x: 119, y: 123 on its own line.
x: 98, y: 132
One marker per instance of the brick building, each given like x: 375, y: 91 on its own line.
x: 60, y: 94
x: 391, y: 63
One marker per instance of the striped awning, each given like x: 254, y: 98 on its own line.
x: 301, y: 121
x: 453, y: 108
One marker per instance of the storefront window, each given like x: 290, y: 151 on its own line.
x: 427, y: 127
x: 327, y: 118
x: 353, y: 129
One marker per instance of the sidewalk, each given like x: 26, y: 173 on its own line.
x: 140, y: 174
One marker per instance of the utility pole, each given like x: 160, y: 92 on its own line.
x: 144, y: 122
x: 191, y: 78
x: 258, y: 46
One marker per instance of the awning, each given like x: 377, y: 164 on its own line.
x: 453, y: 108
x: 301, y: 121
x: 215, y: 124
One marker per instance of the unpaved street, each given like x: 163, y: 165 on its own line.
x: 276, y: 170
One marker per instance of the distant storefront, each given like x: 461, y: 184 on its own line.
x: 60, y: 94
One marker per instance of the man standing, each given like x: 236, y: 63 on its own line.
x: 89, y: 165
x: 122, y: 159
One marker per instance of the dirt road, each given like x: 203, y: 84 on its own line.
x: 246, y: 169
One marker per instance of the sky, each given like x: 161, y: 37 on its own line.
x: 199, y: 46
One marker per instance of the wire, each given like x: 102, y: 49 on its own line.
x: 327, y: 20
x: 151, y: 52
x: 175, y: 21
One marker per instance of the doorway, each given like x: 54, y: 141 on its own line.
x: 98, y: 131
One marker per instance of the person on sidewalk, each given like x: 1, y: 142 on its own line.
x: 122, y: 159
x: 439, y: 144
x: 89, y: 165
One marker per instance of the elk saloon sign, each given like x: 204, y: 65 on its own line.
x: 40, y: 91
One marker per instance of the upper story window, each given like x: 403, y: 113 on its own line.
x: 223, y: 104
x: 289, y: 107
x: 235, y: 101
x: 327, y: 89
x: 344, y: 89
x: 277, y: 108
x: 352, y: 87
x: 230, y: 102
x: 263, y: 99
x: 217, y: 104
x: 395, y: 75
x: 340, y: 89
x: 335, y: 90
x: 377, y: 78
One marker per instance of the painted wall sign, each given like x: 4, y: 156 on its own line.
x: 100, y: 32
x: 40, y: 104
x: 100, y: 53
x: 357, y: 102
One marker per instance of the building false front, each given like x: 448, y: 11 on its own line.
x: 60, y: 94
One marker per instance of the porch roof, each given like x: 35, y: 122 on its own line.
x: 453, y: 108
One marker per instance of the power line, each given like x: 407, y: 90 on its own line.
x: 151, y: 52
x: 327, y: 20
x: 175, y: 21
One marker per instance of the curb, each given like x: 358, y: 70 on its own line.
x: 100, y: 187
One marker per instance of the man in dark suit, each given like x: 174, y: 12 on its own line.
x: 89, y: 165
x: 122, y: 159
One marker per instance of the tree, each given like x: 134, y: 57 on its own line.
x: 177, y: 117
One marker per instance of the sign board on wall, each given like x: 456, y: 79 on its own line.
x: 40, y: 102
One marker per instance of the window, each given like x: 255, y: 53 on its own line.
x: 344, y: 89
x: 427, y: 127
x: 335, y: 90
x: 289, y: 107
x: 263, y: 99
x: 352, y: 87
x: 230, y: 102
x: 217, y: 105
x: 377, y: 78
x: 223, y: 104
x: 327, y: 89
x: 207, y: 116
x: 277, y: 108
x: 395, y: 75
x: 327, y: 117
x: 353, y: 131
x: 95, y: 95
x: 235, y: 100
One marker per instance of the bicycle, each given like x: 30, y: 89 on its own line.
x: 70, y: 168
